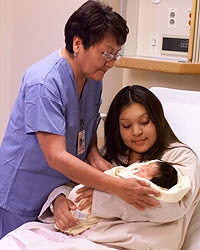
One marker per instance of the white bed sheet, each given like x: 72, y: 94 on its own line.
x: 31, y: 236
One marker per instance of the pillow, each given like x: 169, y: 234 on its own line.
x: 182, y: 107
x: 184, y: 119
x: 182, y: 110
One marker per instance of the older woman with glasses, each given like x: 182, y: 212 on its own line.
x: 52, y: 128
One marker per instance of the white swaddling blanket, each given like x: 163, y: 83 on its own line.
x: 172, y: 195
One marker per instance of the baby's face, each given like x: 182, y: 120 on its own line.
x: 149, y: 171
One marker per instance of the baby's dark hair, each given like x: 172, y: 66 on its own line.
x: 167, y: 176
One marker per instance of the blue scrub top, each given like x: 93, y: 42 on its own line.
x: 47, y: 101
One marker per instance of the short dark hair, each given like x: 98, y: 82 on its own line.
x: 114, y: 146
x: 167, y: 176
x: 92, y: 22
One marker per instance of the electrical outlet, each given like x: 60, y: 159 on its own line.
x: 189, y: 16
x: 172, y: 18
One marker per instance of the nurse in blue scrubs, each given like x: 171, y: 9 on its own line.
x: 52, y: 127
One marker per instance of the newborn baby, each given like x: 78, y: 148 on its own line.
x: 161, y: 176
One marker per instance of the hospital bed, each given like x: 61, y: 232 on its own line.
x: 182, y: 110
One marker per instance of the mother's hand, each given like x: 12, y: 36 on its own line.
x: 138, y: 193
x: 62, y: 213
x: 85, y: 195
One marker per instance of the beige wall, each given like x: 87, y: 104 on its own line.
x: 152, y: 79
x: 5, y: 63
x: 30, y: 29
x: 149, y: 78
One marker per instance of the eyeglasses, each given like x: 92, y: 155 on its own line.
x: 109, y: 57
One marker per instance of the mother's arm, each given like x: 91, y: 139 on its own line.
x: 110, y: 206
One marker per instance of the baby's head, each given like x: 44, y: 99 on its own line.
x: 161, y: 173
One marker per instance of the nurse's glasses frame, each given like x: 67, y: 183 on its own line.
x: 110, y: 57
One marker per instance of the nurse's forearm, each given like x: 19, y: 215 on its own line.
x: 54, y: 149
x: 128, y: 190
x: 81, y: 172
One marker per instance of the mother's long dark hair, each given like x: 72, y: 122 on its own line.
x: 114, y: 145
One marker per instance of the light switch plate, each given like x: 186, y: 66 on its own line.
x: 155, y: 1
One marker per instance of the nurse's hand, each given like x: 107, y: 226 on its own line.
x: 138, y: 193
x: 62, y: 213
x: 97, y: 161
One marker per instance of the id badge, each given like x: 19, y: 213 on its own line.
x: 81, y: 142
